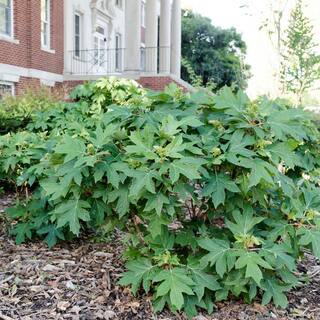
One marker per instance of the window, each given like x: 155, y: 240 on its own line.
x: 6, y: 17
x: 119, y: 3
x: 77, y: 35
x: 45, y: 23
x: 6, y: 89
x: 118, y: 52
x: 143, y: 14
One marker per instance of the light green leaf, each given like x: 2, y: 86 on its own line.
x: 244, y: 222
x: 139, y: 271
x: 184, y: 167
x: 252, y: 262
x: 174, y: 282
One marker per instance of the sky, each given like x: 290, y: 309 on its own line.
x: 260, y: 54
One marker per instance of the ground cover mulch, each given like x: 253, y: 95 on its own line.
x: 79, y: 281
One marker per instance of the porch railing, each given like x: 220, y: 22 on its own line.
x: 112, y: 61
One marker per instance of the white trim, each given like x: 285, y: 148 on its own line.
x: 4, y: 37
x: 48, y: 50
x: 29, y: 73
x: 143, y: 13
x: 47, y: 83
x: 92, y: 77
x: 9, y: 77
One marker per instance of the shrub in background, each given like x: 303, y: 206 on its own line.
x: 218, y: 195
x: 16, y: 112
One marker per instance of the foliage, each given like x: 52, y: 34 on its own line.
x: 16, y: 112
x: 196, y: 80
x: 213, y: 54
x: 300, y: 63
x: 110, y: 90
x: 218, y: 195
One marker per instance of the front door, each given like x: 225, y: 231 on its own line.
x: 100, y: 51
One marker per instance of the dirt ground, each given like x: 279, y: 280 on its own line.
x: 79, y: 281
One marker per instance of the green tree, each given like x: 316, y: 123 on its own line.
x: 300, y: 66
x: 215, y: 55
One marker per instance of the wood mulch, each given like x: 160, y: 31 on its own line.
x: 79, y: 281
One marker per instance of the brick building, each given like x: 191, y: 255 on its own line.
x: 55, y: 42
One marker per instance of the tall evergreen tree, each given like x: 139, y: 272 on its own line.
x: 300, y: 66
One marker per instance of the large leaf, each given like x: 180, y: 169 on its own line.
x: 274, y: 291
x: 238, y: 146
x: 285, y: 124
x: 260, y: 171
x: 229, y: 102
x: 244, y: 222
x: 156, y: 202
x: 121, y: 195
x: 187, y: 167
x: 283, y: 151
x: 203, y: 281
x: 176, y: 283
x: 252, y: 262
x: 220, y: 255
x: 216, y: 188
x: 139, y: 271
x: 310, y: 237
x: 143, y: 180
x: 71, y: 148
x: 70, y: 213
x: 52, y: 233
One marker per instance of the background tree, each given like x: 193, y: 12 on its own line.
x: 273, y: 16
x: 300, y: 67
x: 215, y: 55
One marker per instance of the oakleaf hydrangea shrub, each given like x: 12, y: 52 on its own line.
x: 218, y: 195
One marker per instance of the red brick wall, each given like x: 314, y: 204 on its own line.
x: 158, y: 83
x: 26, y: 83
x: 17, y: 54
x: 27, y: 29
x: 153, y: 83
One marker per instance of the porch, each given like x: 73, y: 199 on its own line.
x: 102, y: 62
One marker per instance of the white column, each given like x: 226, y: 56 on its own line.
x: 176, y: 38
x: 151, y: 36
x: 165, y: 36
x: 133, y: 36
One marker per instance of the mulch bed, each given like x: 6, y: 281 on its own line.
x: 79, y: 281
